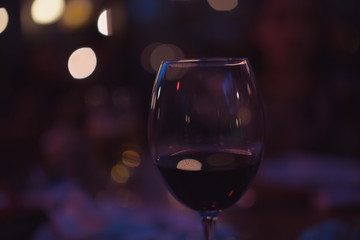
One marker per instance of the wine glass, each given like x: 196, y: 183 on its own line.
x: 206, y: 132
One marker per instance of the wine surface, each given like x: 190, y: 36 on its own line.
x: 208, y: 180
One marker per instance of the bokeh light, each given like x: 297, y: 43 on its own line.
x: 77, y: 14
x: 4, y: 19
x: 47, y: 11
x: 189, y: 165
x: 223, y: 5
x: 120, y: 173
x: 155, y: 53
x: 164, y: 52
x: 104, y: 23
x: 82, y: 63
x: 160, y: 53
x: 131, y: 158
x: 145, y: 57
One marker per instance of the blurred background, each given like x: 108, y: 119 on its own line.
x: 75, y: 84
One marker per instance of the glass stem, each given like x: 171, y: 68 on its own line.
x: 208, y: 222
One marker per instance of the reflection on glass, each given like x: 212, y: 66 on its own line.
x: 244, y: 115
x: 189, y: 165
x: 158, y: 94
x: 223, y: 5
x: 4, y: 19
x: 82, y: 63
x: 47, y: 11
x: 153, y: 101
x: 248, y: 88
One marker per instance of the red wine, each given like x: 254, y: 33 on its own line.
x: 208, y: 180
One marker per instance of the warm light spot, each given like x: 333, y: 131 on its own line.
x: 120, y: 173
x: 177, y: 86
x: 220, y: 159
x: 189, y: 165
x: 190, y: 61
x: 47, y: 11
x: 82, y: 63
x: 77, y: 13
x: 104, y: 23
x: 223, y: 5
x: 4, y: 19
x: 131, y: 158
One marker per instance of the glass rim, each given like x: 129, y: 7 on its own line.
x: 224, y: 61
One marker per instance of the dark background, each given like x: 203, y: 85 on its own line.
x: 56, y: 129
